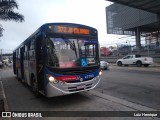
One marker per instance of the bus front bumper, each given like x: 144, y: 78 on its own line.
x: 64, y: 88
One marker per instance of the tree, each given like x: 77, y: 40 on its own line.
x: 7, y: 13
x: 1, y: 30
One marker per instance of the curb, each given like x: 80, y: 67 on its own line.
x: 1, y: 98
x: 4, y: 104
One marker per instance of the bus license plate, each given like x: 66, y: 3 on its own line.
x: 81, y: 86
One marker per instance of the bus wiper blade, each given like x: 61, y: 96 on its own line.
x: 72, y: 45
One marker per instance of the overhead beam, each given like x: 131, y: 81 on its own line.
x: 134, y: 6
x: 145, y: 3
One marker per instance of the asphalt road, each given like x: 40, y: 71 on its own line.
x: 134, y: 84
x: 141, y: 87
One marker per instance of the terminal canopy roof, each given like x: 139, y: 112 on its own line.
x: 147, y: 5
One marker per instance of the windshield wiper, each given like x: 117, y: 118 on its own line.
x: 72, y: 45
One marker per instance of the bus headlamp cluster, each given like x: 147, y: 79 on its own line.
x: 100, y: 73
x: 52, y: 79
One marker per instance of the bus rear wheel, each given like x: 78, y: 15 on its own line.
x: 35, y: 88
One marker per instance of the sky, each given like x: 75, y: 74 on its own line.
x: 38, y: 12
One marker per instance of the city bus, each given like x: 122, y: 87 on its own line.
x: 59, y: 59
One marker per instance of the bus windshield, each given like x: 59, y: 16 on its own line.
x: 71, y: 53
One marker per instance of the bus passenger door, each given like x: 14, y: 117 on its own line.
x: 40, y: 62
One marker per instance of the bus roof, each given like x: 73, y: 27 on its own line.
x: 45, y: 26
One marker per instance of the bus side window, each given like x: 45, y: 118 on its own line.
x: 32, y: 44
x: 25, y: 52
x: 32, y: 49
x: 39, y: 49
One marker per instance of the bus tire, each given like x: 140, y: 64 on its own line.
x: 34, y: 87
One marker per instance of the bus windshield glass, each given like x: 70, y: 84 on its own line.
x: 71, y: 53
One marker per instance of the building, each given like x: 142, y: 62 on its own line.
x: 135, y: 17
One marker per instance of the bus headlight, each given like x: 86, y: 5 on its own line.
x: 52, y: 79
x: 100, y: 73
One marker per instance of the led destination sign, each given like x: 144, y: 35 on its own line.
x: 69, y: 30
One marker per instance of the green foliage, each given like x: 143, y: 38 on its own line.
x: 1, y: 30
x: 7, y: 13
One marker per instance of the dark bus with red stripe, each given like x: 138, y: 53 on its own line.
x: 59, y: 59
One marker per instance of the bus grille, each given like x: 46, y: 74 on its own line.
x: 73, y: 89
x: 76, y: 81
